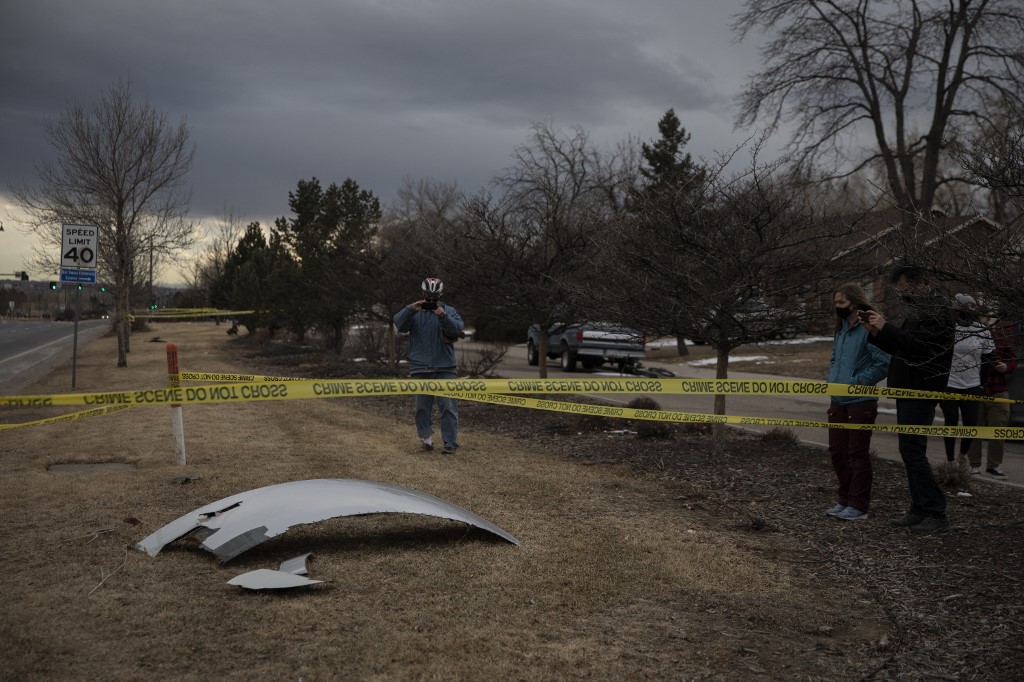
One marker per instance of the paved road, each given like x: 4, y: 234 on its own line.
x: 30, y: 348
x: 786, y: 407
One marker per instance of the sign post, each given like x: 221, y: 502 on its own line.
x: 79, y: 246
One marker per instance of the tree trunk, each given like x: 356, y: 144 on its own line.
x: 542, y: 353
x: 122, y: 324
x: 721, y: 372
x: 122, y: 342
x: 392, y: 346
x: 339, y: 336
x: 681, y: 348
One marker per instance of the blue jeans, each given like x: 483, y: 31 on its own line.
x: 926, y: 497
x: 447, y: 406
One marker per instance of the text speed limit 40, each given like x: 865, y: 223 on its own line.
x: 79, y: 246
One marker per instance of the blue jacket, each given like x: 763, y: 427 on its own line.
x: 431, y: 338
x: 855, y: 361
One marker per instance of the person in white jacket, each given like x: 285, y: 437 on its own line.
x: 433, y: 328
x: 972, y: 352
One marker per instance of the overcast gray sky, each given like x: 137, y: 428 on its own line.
x: 375, y: 90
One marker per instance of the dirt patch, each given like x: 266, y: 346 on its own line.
x: 665, y: 558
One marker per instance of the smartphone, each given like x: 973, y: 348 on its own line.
x: 429, y: 305
x: 863, y: 315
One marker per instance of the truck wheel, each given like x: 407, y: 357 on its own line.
x: 531, y: 355
x: 568, y: 360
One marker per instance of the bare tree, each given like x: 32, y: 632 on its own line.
x: 531, y: 241
x: 994, y: 267
x: 208, y: 266
x: 120, y: 166
x: 418, y: 239
x: 733, y: 259
x: 848, y: 71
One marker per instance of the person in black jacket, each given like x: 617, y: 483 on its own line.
x: 922, y: 351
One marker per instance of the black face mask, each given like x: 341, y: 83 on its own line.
x: 843, y: 313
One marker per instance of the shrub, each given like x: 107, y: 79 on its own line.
x: 956, y: 474
x: 369, y: 341
x: 645, y: 428
x: 480, y: 360
x: 780, y: 436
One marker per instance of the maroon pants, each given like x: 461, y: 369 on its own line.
x: 849, y: 451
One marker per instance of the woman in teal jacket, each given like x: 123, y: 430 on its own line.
x: 854, y: 361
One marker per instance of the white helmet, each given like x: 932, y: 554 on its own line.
x: 432, y: 288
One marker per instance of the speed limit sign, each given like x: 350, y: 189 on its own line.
x: 78, y: 253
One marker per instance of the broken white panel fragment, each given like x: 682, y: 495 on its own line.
x: 267, y: 579
x: 237, y: 523
x: 296, y: 565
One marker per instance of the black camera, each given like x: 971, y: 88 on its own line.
x: 429, y: 305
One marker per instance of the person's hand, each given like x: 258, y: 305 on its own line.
x: 873, y: 321
x: 418, y: 305
x: 999, y: 367
x: 439, y: 311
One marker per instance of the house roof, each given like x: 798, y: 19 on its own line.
x: 881, y: 231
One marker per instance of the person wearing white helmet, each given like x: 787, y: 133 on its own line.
x: 433, y: 328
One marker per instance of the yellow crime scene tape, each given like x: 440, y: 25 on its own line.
x: 987, y: 432
x: 621, y: 385
x: 84, y: 414
x: 250, y: 388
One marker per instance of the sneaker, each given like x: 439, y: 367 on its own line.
x: 851, y: 514
x: 908, y: 519
x: 932, y: 524
x: 995, y: 471
x: 428, y: 446
x: 975, y: 471
x: 448, y: 450
x: 835, y: 509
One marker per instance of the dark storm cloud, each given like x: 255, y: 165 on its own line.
x: 375, y: 90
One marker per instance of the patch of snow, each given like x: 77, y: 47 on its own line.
x: 672, y: 343
x: 713, y: 362
x: 798, y: 342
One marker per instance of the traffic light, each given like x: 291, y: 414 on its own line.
x: 24, y: 276
x: 80, y: 287
x: 152, y: 306
x: 53, y: 285
x: 103, y: 288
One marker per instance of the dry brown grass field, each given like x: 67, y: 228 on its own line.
x: 674, y: 559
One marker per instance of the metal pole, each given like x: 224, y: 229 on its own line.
x: 74, y: 351
x: 151, y: 301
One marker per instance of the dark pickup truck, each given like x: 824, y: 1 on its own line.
x: 589, y: 343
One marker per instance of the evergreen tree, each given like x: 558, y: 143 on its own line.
x: 667, y: 165
x: 674, y: 185
x: 253, y: 278
x: 332, y: 239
